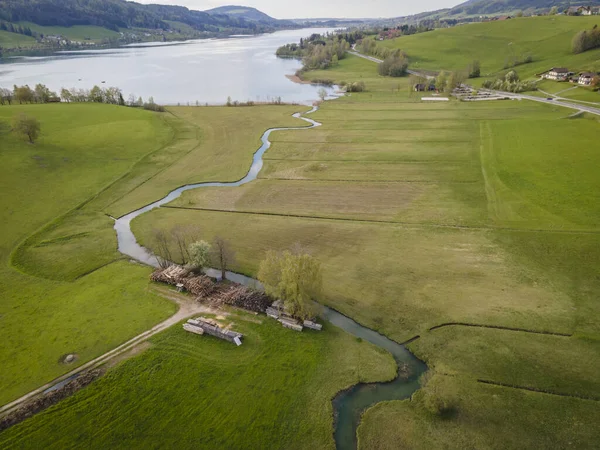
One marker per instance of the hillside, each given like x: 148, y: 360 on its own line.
x: 243, y: 12
x: 485, y: 7
x: 546, y: 39
x: 115, y: 15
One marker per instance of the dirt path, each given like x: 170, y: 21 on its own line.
x: 187, y: 307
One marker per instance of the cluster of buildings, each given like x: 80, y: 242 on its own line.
x: 583, y: 11
x: 564, y: 74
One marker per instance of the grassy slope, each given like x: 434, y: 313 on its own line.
x: 404, y: 278
x: 206, y: 393
x: 82, y: 149
x: 547, y: 39
x: 11, y: 40
x: 211, y: 136
x: 75, y: 33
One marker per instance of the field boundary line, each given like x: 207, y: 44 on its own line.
x: 329, y: 180
x: 539, y: 391
x: 498, y: 327
x: 385, y: 222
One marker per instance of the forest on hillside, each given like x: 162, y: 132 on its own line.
x: 117, y: 14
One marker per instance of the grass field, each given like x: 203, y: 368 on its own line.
x: 12, y: 40
x: 74, y: 33
x: 200, y: 392
x: 547, y: 39
x: 421, y: 215
x: 82, y: 149
x: 427, y: 214
x: 91, y: 157
x: 489, y: 417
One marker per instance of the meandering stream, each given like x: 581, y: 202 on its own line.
x: 348, y: 405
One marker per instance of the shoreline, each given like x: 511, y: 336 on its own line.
x: 296, y: 79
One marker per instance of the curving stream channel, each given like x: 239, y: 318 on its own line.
x: 348, y: 405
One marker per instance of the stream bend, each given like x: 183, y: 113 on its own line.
x: 348, y: 405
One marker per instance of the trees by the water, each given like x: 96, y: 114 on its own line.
x: 295, y: 278
x: 222, y: 255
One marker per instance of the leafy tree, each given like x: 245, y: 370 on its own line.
x: 199, y: 254
x: 295, y: 278
x: 23, y: 94
x: 441, y: 81
x: 96, y: 95
x: 322, y: 94
x: 553, y: 11
x: 475, y: 69
x: 66, y: 95
x: 222, y: 255
x: 42, y: 93
x: 26, y: 126
x: 512, y: 76
x: 395, y: 65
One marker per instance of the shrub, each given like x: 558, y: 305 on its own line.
x: 356, y: 87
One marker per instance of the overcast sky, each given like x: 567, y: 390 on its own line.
x: 289, y: 9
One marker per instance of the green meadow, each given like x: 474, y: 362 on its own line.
x: 424, y: 214
x: 61, y: 272
x: 201, y: 392
x: 547, y: 39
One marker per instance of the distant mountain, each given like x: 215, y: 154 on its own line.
x: 120, y: 14
x: 487, y: 7
x: 242, y: 12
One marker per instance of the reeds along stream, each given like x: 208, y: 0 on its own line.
x: 348, y: 405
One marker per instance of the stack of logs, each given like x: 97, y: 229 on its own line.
x: 206, y: 289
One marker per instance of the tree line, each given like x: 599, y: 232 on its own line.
x: 586, y: 40
x: 293, y: 276
x: 395, y: 61
x: 42, y: 94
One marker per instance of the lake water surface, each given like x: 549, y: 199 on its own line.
x: 207, y: 71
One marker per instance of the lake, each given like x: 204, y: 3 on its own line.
x: 207, y: 71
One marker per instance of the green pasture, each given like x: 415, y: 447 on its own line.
x: 482, y: 416
x: 547, y: 39
x: 201, y: 392
x: 82, y: 150
x: 12, y: 40
x: 75, y: 33
x: 492, y: 221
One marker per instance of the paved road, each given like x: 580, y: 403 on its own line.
x: 558, y: 102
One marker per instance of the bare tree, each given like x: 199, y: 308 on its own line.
x: 322, y: 94
x: 223, y: 256
x: 160, y: 240
x: 183, y: 237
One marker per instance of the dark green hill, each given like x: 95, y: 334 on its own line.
x: 487, y: 7
x: 119, y: 14
x: 242, y: 12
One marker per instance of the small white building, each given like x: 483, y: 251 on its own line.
x: 585, y: 79
x: 558, y: 74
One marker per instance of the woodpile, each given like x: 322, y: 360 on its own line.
x: 206, y: 289
x: 242, y: 297
x: 201, y: 286
x: 202, y: 325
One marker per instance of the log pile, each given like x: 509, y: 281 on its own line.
x: 202, y: 286
x: 206, y: 289
x: 242, y: 297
